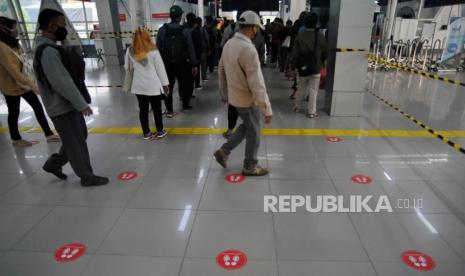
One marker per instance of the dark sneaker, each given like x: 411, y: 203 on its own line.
x: 161, y: 134
x: 257, y: 171
x: 227, y: 134
x: 148, y: 136
x: 95, y: 181
x: 221, y: 157
x: 169, y: 114
x: 58, y: 173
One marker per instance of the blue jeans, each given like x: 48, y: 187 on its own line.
x: 248, y: 130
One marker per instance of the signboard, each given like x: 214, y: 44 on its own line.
x: 160, y: 15
x: 455, y: 38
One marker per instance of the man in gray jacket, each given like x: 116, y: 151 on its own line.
x: 63, y: 102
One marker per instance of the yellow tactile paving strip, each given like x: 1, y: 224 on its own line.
x: 274, y: 132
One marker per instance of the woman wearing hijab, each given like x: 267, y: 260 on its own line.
x: 14, y: 85
x: 150, y: 81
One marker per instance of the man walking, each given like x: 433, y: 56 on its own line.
x: 242, y: 86
x: 63, y: 101
x: 178, y: 53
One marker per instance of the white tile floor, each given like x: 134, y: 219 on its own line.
x: 180, y: 213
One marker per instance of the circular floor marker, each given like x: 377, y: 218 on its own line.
x: 127, y: 176
x: 34, y: 142
x: 235, y: 178
x: 418, y: 260
x: 70, y: 252
x: 334, y: 139
x: 231, y: 259
x: 361, y: 179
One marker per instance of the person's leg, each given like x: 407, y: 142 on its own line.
x: 232, y: 117
x: 301, y: 92
x: 13, y: 104
x: 32, y: 99
x: 171, y: 72
x: 313, y: 87
x: 155, y: 101
x: 203, y: 67
x: 73, y: 132
x: 197, y: 80
x: 238, y: 135
x: 186, y: 84
x: 232, y: 121
x: 252, y: 137
x: 144, y: 113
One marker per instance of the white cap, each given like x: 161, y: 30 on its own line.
x: 250, y: 18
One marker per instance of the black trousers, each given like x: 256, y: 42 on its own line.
x: 274, y: 51
x: 232, y: 117
x: 155, y: 102
x: 14, y: 102
x: 182, y: 72
x: 197, y: 80
x: 73, y: 133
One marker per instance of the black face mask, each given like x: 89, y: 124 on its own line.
x: 61, y: 33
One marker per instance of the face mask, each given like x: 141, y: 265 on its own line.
x: 14, y: 33
x: 61, y: 33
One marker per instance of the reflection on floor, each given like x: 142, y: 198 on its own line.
x: 179, y: 213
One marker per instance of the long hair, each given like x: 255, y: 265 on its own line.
x: 142, y: 44
x: 6, y: 25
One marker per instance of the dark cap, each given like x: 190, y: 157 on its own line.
x: 176, y: 11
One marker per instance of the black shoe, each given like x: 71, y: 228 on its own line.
x: 58, y: 173
x: 95, y: 181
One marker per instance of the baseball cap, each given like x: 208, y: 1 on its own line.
x: 250, y: 18
x: 176, y: 11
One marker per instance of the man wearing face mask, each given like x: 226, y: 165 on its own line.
x: 63, y: 101
x: 242, y: 85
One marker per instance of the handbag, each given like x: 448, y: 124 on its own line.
x: 287, y: 42
x: 307, y: 63
x: 129, y: 75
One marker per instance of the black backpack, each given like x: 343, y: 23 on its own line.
x: 73, y: 60
x: 175, y: 49
x: 307, y: 63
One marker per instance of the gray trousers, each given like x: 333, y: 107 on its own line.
x: 73, y: 133
x: 250, y: 130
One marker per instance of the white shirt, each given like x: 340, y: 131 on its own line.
x: 150, y: 78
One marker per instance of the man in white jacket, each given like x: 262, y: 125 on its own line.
x: 242, y: 86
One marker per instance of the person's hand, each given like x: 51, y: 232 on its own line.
x: 224, y: 101
x: 87, y: 111
x: 268, y: 119
x: 166, y: 89
x: 195, y: 71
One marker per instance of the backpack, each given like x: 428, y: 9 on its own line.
x: 73, y: 61
x: 175, y: 47
x: 307, y: 63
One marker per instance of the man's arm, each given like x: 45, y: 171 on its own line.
x: 250, y: 63
x: 59, y: 78
x: 190, y: 46
x: 295, y: 53
x: 222, y: 81
x: 324, y: 48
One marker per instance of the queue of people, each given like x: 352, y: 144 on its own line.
x: 185, y: 54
